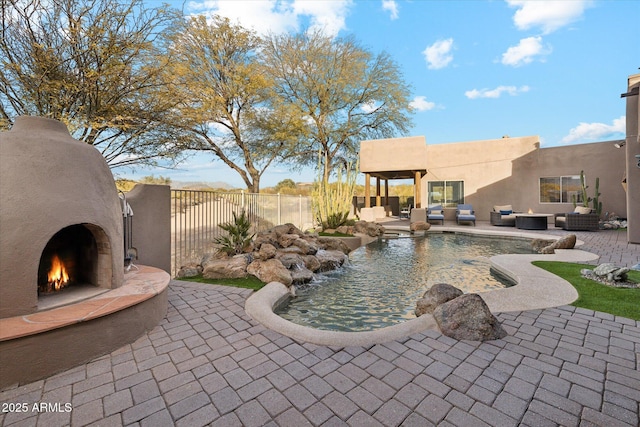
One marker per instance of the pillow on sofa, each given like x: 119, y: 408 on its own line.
x: 498, y: 208
x: 465, y: 211
x: 502, y: 212
x: 582, y: 210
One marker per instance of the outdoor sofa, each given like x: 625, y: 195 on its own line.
x: 581, y: 219
x: 503, y: 216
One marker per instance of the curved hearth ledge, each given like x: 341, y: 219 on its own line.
x: 40, y: 344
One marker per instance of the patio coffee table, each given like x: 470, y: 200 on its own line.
x: 532, y: 221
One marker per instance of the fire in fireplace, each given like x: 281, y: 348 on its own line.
x: 69, y: 259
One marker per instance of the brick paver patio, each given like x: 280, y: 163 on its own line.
x: 207, y: 363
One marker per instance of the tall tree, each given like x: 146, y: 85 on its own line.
x: 344, y: 92
x: 223, y: 97
x: 92, y: 64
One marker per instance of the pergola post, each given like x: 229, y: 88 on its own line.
x: 378, y: 191
x: 416, y: 183
x: 386, y: 192
x: 367, y: 190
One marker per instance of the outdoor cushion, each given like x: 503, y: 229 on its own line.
x: 505, y: 212
x: 498, y: 208
x: 435, y: 212
x: 582, y: 210
x: 465, y: 212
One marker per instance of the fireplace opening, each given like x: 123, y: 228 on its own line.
x: 71, y: 265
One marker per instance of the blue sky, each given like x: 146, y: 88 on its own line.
x: 478, y: 69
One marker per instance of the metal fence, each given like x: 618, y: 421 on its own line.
x: 197, y: 215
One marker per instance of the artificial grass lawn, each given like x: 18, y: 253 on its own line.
x: 596, y: 296
x: 250, y: 282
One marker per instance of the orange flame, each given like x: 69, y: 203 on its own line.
x: 58, y: 277
x: 530, y: 211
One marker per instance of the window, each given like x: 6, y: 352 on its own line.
x: 446, y: 193
x: 560, y: 189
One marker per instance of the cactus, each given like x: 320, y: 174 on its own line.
x: 597, y: 204
x: 332, y: 201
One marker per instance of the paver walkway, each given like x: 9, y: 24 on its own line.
x: 207, y: 363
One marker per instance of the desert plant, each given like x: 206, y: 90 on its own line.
x: 332, y: 201
x: 237, y: 238
x: 597, y: 204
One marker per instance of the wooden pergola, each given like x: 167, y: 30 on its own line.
x: 415, y: 174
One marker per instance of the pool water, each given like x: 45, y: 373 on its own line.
x: 385, y: 278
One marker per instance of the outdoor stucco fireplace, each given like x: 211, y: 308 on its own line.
x: 60, y: 217
x: 64, y: 291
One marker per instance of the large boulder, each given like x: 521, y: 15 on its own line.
x: 333, y: 244
x: 538, y: 244
x: 468, y: 318
x: 270, y: 270
x: 419, y: 226
x: 371, y: 229
x: 330, y: 259
x: 311, y: 262
x: 566, y: 242
x: 226, y: 268
x: 436, y: 295
x: 267, y: 251
x: 300, y: 275
x: 290, y: 260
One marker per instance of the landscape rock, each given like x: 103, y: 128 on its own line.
x: 305, y: 246
x: 333, y: 244
x: 301, y: 275
x: 312, y: 263
x: 566, y: 242
x: 538, y: 244
x: 330, y: 259
x: 267, y: 251
x: 226, y: 268
x: 419, y: 226
x: 290, y: 260
x: 369, y: 228
x: 468, y: 318
x: 270, y: 270
x: 286, y: 240
x: 191, y: 270
x: 436, y: 295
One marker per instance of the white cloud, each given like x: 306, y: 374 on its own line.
x: 495, y: 93
x: 438, y: 55
x: 525, y: 52
x: 392, y: 7
x: 420, y: 103
x: 278, y: 16
x: 548, y: 15
x: 369, y: 106
x: 589, y: 132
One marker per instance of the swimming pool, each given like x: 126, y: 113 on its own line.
x: 385, y: 278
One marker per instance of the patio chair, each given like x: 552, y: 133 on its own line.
x: 465, y: 213
x: 435, y: 213
x: 405, y: 212
x: 503, y: 215
x: 581, y: 219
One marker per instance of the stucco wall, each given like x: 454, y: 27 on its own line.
x: 507, y: 171
x: 486, y: 167
x: 632, y: 149
x: 151, y: 206
x: 393, y: 154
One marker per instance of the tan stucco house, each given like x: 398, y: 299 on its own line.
x: 511, y: 171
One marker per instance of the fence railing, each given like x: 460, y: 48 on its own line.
x: 197, y: 215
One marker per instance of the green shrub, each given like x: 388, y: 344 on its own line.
x: 237, y: 238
